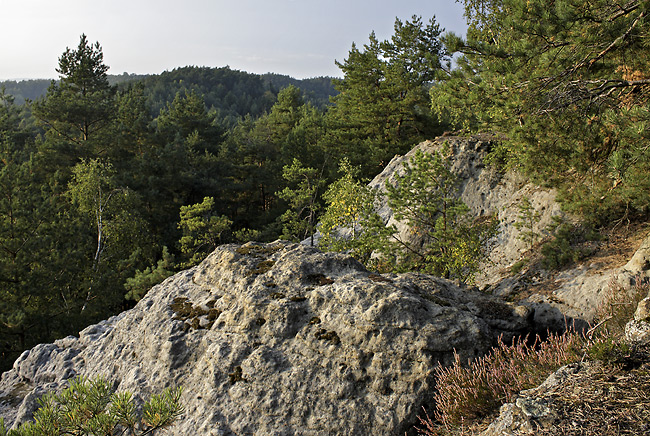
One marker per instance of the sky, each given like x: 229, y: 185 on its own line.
x: 299, y: 38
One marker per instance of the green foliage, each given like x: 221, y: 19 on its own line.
x: 138, y: 285
x: 527, y: 219
x: 518, y: 266
x: 450, y: 243
x: 94, y: 192
x: 82, y: 104
x: 317, y: 90
x: 90, y: 407
x: 350, y: 208
x: 566, y: 83
x: 444, y: 241
x: 41, y: 251
x: 258, y: 150
x: 187, y: 116
x: 230, y: 94
x: 203, y: 231
x: 609, y: 351
x: 301, y: 217
x: 565, y: 246
x: 382, y: 106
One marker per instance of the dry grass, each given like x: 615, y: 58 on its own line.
x: 605, y: 400
x: 619, y: 304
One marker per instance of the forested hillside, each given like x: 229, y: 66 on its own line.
x: 231, y: 93
x: 107, y: 189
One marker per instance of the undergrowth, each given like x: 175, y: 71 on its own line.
x: 471, y: 392
x: 468, y: 394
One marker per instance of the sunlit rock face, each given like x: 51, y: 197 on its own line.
x: 277, y: 339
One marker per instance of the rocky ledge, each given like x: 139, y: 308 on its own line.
x: 277, y: 339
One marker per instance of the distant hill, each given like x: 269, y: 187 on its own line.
x: 26, y: 89
x: 231, y: 93
x: 317, y: 90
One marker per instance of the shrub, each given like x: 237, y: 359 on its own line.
x: 565, y: 246
x: 90, y: 407
x: 467, y: 393
x: 518, y: 266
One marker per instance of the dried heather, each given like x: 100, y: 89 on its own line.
x: 468, y: 393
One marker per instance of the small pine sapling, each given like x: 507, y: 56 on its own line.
x: 527, y: 219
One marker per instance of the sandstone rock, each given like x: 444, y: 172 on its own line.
x: 577, y: 291
x: 640, y: 262
x: 637, y: 330
x: 277, y: 339
x: 486, y: 191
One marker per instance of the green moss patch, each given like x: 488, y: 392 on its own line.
x: 236, y: 376
x: 258, y: 250
x: 436, y: 300
x: 277, y: 296
x: 378, y: 278
x: 184, y: 310
x: 262, y: 267
x: 297, y: 299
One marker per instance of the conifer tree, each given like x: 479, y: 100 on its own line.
x: 567, y: 83
x: 303, y: 199
x: 203, y: 230
x: 382, y: 108
x: 446, y: 241
x: 81, y: 105
x: 90, y: 407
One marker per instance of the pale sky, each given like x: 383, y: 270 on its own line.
x: 300, y: 38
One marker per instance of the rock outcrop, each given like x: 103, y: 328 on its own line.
x: 608, y: 397
x: 277, y: 339
x: 574, y: 293
x: 486, y: 191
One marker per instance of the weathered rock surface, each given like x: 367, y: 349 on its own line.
x: 534, y: 409
x: 637, y: 330
x: 277, y: 339
x: 486, y: 191
x: 576, y: 291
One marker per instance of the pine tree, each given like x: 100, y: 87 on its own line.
x: 567, y: 83
x: 382, y: 108
x: 81, y: 105
x: 203, y: 231
x: 90, y: 407
x: 446, y: 240
x: 303, y: 199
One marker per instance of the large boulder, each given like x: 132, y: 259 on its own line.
x: 277, y: 339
